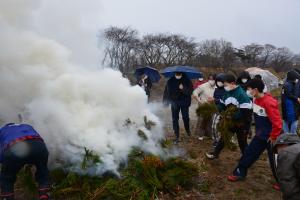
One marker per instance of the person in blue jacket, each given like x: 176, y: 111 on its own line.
x: 290, y: 103
x: 20, y: 144
x: 178, y: 93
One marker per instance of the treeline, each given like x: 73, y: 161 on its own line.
x: 125, y: 49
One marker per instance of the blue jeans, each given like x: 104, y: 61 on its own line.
x: 37, y: 155
x: 175, y: 118
x: 290, y: 127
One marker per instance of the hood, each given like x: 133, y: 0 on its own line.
x: 220, y: 78
x: 288, y: 139
x: 243, y: 75
x: 292, y: 75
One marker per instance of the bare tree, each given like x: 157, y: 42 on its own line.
x: 124, y: 50
x: 151, y: 49
x: 209, y: 53
x: 216, y: 53
x: 228, y: 57
x: 252, y: 53
x: 282, y: 59
x: 121, y: 47
x: 178, y: 50
x: 167, y: 49
x: 266, y: 55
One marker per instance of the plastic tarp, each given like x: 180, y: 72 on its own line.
x: 270, y: 80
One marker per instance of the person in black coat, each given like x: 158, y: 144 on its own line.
x: 298, y: 83
x: 218, y: 95
x: 178, y: 93
x: 290, y: 103
x: 219, y: 91
x: 243, y: 79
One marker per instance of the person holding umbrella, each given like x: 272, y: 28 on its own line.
x: 145, y: 83
x: 178, y: 93
x: 146, y: 76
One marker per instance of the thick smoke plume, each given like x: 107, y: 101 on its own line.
x: 71, y: 104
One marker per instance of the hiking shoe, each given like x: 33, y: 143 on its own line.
x: 175, y: 141
x: 276, y: 186
x: 201, y: 138
x: 233, y: 178
x: 44, y: 193
x: 7, y: 196
x: 211, y: 156
x: 44, y: 197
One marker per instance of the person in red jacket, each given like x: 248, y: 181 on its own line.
x: 199, y: 82
x: 268, y: 126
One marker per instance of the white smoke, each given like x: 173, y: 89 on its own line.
x: 71, y: 106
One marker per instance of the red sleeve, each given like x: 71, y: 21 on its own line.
x: 273, y: 113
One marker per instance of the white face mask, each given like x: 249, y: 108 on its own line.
x: 212, y: 82
x: 178, y: 77
x: 200, y: 79
x: 220, y: 84
x: 227, y: 88
x: 249, y: 94
x: 244, y: 80
x: 296, y: 81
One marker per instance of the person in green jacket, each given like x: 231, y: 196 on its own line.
x: 234, y: 96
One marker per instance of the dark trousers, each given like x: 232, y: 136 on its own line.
x: 242, y: 140
x: 175, y: 118
x: 15, y: 157
x: 251, y: 155
x: 206, y: 127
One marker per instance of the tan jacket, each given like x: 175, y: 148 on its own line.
x: 203, y: 92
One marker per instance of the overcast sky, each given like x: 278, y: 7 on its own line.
x: 240, y: 21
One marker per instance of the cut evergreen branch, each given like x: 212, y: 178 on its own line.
x: 206, y: 110
x: 226, y: 124
x: 144, y: 178
x: 148, y: 123
x: 142, y: 134
x: 89, y: 159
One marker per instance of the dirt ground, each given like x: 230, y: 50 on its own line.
x: 213, y: 182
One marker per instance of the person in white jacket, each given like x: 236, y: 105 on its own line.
x: 204, y: 94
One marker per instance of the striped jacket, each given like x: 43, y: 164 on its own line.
x: 240, y: 99
x: 268, y: 123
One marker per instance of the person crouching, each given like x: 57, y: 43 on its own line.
x: 288, y: 165
x: 20, y: 145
